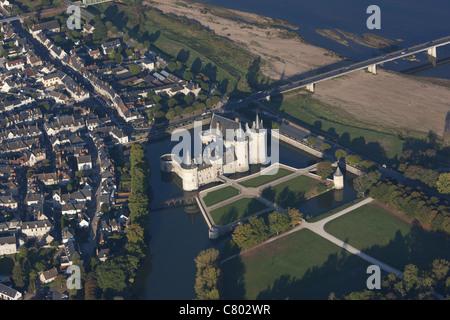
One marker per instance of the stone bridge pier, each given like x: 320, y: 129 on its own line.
x: 311, y: 87
x: 373, y: 69
x: 432, y: 55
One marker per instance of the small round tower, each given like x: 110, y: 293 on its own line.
x: 338, y: 179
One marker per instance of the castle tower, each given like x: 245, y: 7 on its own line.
x: 189, y: 174
x: 338, y: 179
x: 241, y: 147
x: 258, y: 143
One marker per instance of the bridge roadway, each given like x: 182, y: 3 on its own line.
x: 310, y: 81
x: 366, y: 64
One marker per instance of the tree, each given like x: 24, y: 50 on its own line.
x: 339, y: 154
x: 259, y: 228
x: 111, y: 276
x: 90, y: 287
x: 134, y: 69
x: 135, y: 233
x: 443, y: 183
x: 278, y: 222
x: 324, y: 147
x: 137, y: 154
x: 295, y: 216
x: 324, y: 169
x: 18, y: 275
x: 363, y: 183
x: 170, y: 114
x: 100, y: 32
x: 104, y: 208
x: 138, y: 206
x: 119, y: 58
x: 242, y: 236
x: 311, y: 140
x: 208, y: 275
x: 353, y: 159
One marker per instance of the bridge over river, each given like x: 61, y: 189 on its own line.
x: 175, y: 202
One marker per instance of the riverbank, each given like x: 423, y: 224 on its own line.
x: 283, y: 52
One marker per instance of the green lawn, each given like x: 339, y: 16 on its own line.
x: 263, y: 179
x: 293, y: 192
x: 219, y: 195
x: 236, y: 210
x: 301, y: 265
x: 388, y: 238
x: 335, y: 210
x: 373, y: 141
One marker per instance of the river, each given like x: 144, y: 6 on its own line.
x: 412, y: 21
x: 179, y: 234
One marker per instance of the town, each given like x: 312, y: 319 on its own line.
x: 63, y: 112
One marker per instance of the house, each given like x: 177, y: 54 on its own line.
x: 53, y: 79
x: 15, y: 64
x: 102, y: 254
x: 88, y: 29
x: 49, y: 26
x: 83, y: 220
x: 67, y: 235
x: 8, y: 293
x: 119, y: 135
x: 8, y: 245
x: 95, y: 54
x: 69, y: 250
x: 110, y: 46
x: 84, y: 163
x: 8, y: 202
x: 48, y: 276
x: 71, y: 209
x: 36, y: 228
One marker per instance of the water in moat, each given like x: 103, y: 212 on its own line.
x: 179, y: 234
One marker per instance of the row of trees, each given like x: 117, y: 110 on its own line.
x: 430, y: 177
x: 257, y: 230
x: 117, y: 273
x: 207, y: 281
x: 354, y: 160
x: 416, y: 284
x: 416, y: 205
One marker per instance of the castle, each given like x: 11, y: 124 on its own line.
x: 227, y: 150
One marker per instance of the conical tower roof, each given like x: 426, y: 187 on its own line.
x: 338, y: 172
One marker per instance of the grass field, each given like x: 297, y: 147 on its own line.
x: 301, y: 265
x: 293, y: 192
x: 236, y: 210
x: 263, y: 179
x: 373, y: 141
x: 219, y: 195
x: 388, y: 238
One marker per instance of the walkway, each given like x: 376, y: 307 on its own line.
x: 318, y: 228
